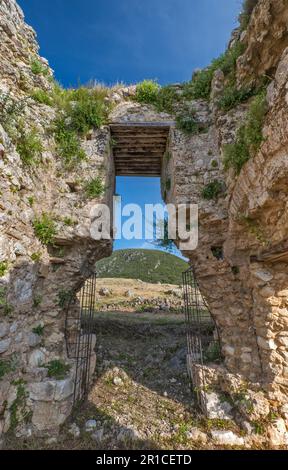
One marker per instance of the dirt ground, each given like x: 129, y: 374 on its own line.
x: 141, y: 397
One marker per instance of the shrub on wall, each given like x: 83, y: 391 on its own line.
x: 29, y: 146
x: 200, y: 86
x: 94, y: 188
x: 147, y: 92
x: 44, y: 228
x: 212, y: 190
x: 248, y: 137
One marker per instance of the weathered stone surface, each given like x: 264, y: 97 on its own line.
x: 4, y: 345
x: 227, y: 438
x: 217, y: 408
x: 51, y: 390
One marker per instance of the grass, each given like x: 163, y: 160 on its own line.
x: 186, y: 122
x: 10, y: 111
x: 200, y: 86
x: 41, y: 96
x: 248, y: 137
x: 232, y: 96
x: 57, y: 369
x: 68, y: 143
x: 6, y: 367
x: 79, y: 111
x: 3, y: 268
x: 5, y: 306
x: 29, y: 147
x: 147, y: 92
x: 64, y: 297
x: 36, y: 257
x: 94, y: 188
x: 89, y: 109
x: 38, y: 68
x: 212, y: 190
x: 38, y: 330
x: 45, y: 229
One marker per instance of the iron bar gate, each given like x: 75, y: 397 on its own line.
x: 80, y: 338
x: 203, y: 341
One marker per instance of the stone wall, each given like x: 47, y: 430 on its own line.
x: 36, y: 278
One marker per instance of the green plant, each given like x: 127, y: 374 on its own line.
x: 38, y: 68
x: 200, y: 86
x: 217, y: 252
x: 68, y: 221
x: 18, y: 409
x: 167, y: 98
x: 38, y: 330
x: 41, y: 96
x: 7, y: 308
x: 36, y: 257
x: 29, y: 146
x: 168, y: 184
x: 10, y: 111
x: 45, y: 228
x: 37, y: 301
x: 213, y: 352
x: 68, y: 143
x: 147, y: 92
x: 64, y: 297
x: 247, y: 10
x: 89, y: 109
x: 94, y: 188
x: 186, y: 122
x: 57, y: 369
x: 212, y: 190
x: 259, y: 427
x: 3, y: 268
x: 31, y: 200
x: 248, y: 137
x: 5, y: 367
x: 232, y: 96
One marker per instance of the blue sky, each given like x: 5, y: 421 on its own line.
x: 127, y: 41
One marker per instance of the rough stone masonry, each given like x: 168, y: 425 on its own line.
x: 246, y: 287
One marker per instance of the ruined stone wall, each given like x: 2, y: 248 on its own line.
x: 36, y: 279
x: 245, y: 284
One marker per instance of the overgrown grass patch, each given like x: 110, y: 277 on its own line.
x: 200, y: 86
x: 147, y: 92
x: 68, y: 143
x: 45, y: 228
x: 3, y: 268
x: 212, y: 190
x: 41, y: 96
x: 38, y: 68
x: 94, y: 188
x: 57, y: 369
x: 29, y: 146
x: 232, y: 96
x: 187, y: 123
x: 248, y: 137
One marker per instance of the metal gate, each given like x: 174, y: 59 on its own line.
x: 80, y: 337
x: 203, y: 342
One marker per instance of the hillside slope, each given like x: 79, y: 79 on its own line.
x: 147, y: 265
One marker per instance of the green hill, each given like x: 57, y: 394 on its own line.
x: 148, y: 265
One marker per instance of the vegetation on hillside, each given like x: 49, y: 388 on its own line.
x: 147, y: 265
